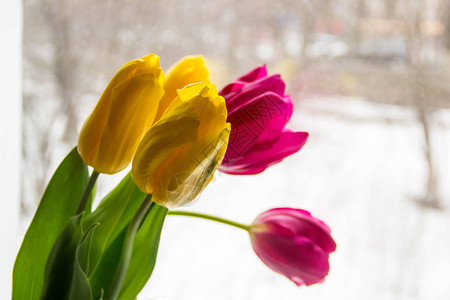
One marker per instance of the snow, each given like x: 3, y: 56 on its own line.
x: 361, y: 171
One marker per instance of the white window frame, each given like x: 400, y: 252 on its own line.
x: 10, y: 138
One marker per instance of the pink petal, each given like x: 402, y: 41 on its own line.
x: 291, y: 241
x: 237, y: 99
x: 230, y: 88
x: 299, y: 223
x: 253, y: 75
x: 296, y: 212
x: 261, y: 156
x: 260, y: 120
x: 265, y: 106
x: 297, y: 258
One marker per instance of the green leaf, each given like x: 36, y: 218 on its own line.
x: 145, y: 249
x: 84, y: 248
x: 80, y: 288
x: 60, y: 264
x: 143, y: 260
x: 57, y: 206
x: 65, y: 276
x: 103, y: 275
x: 113, y: 213
x: 101, y: 295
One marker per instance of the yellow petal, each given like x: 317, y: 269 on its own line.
x: 210, y: 107
x: 163, y: 139
x: 190, y: 69
x: 187, y: 172
x: 124, y: 113
x: 180, y: 153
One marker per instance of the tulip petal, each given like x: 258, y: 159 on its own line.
x: 297, y: 258
x: 191, y: 169
x: 127, y: 125
x: 261, y: 120
x: 261, y: 156
x: 294, y: 243
x: 258, y: 110
x: 209, y: 106
x: 253, y: 75
x: 311, y: 228
x: 180, y: 153
x: 190, y: 69
x: 238, y: 99
x: 163, y: 139
x: 109, y: 138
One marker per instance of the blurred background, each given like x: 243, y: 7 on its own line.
x: 370, y: 83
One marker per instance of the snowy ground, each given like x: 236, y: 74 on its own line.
x: 360, y: 172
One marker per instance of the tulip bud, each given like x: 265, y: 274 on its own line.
x: 293, y: 243
x: 190, y: 69
x: 122, y: 116
x: 258, y: 111
x: 181, y: 151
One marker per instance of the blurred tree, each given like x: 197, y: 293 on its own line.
x: 420, y: 86
x: 444, y: 16
x: 73, y: 47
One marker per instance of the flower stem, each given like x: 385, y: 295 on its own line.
x: 127, y: 249
x: 87, y: 192
x: 208, y: 217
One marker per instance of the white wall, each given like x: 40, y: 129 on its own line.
x: 10, y: 137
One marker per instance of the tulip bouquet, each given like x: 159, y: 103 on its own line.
x: 176, y: 132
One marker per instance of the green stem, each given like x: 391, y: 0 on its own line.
x: 127, y: 249
x: 208, y: 217
x: 87, y: 192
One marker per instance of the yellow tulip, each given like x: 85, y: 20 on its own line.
x: 180, y: 153
x: 126, y: 110
x: 190, y: 69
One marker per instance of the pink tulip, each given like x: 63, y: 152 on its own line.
x: 258, y: 111
x: 293, y: 243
